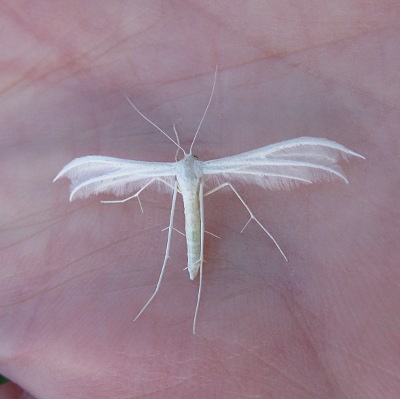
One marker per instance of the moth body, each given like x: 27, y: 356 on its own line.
x: 189, y: 176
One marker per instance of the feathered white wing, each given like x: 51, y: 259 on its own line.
x: 283, y: 165
x: 97, y: 174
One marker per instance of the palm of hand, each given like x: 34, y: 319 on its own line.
x: 75, y: 274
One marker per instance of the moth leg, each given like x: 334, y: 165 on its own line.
x: 201, y: 198
x: 183, y: 234
x: 136, y: 195
x: 212, y: 234
x: 252, y: 217
x: 170, y: 228
x: 178, y: 142
x: 178, y: 231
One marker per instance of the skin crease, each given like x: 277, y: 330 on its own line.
x: 74, y: 275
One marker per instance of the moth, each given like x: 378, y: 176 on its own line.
x: 283, y: 165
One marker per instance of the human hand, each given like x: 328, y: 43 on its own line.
x: 75, y: 275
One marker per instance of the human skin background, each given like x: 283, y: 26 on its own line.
x: 74, y: 275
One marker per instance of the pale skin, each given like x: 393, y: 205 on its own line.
x: 325, y: 324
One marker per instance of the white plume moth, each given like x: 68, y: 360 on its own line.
x: 282, y: 165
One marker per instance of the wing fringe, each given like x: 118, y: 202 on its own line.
x: 284, y: 165
x: 93, y: 175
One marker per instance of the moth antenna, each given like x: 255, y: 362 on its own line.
x: 179, y: 143
x: 148, y: 120
x: 205, y: 111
